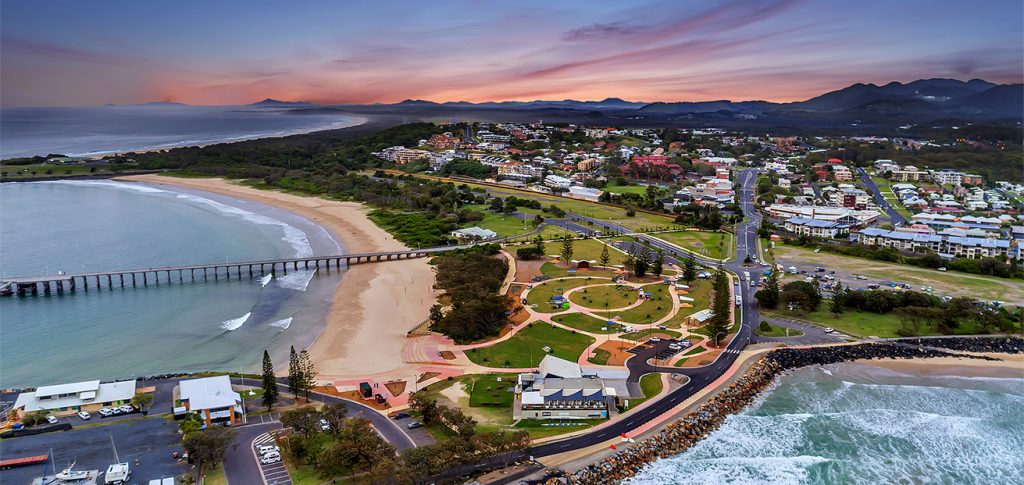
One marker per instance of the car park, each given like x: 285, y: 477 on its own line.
x: 84, y: 415
x: 401, y: 415
x: 266, y: 449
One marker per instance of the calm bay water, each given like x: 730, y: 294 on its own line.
x: 862, y: 424
x: 76, y: 226
x: 97, y: 130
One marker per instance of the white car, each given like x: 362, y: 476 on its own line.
x: 655, y: 339
x: 270, y: 458
x: 51, y: 419
x: 324, y: 425
x: 829, y: 330
x: 84, y: 415
x: 127, y: 408
x: 942, y: 268
x: 266, y: 449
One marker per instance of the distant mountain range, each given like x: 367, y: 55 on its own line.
x: 893, y: 104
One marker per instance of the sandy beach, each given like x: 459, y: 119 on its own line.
x: 375, y: 304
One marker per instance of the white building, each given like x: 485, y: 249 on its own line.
x: 474, y: 234
x: 76, y: 396
x: 584, y: 193
x: 554, y: 181
x: 212, y: 398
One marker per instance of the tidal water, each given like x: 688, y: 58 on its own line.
x: 858, y: 424
x: 98, y: 130
x: 87, y: 226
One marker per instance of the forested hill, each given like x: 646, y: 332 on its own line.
x: 324, y: 151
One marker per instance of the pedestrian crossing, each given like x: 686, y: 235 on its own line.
x: 731, y: 351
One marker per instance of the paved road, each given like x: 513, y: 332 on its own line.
x: 894, y: 216
x: 746, y: 237
x: 240, y: 465
x: 812, y: 334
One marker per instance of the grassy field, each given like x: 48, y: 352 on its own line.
x: 585, y: 323
x: 525, y: 348
x: 537, y: 428
x: 555, y: 271
x: 612, y: 214
x: 652, y: 309
x: 504, y: 225
x: 541, y: 294
x: 717, y: 245
x: 643, y: 334
x: 945, y: 282
x: 777, y: 331
x: 625, y: 189
x: 601, y: 297
x: 600, y: 357
x: 700, y: 291
x: 55, y: 170
x: 866, y: 324
x: 485, y: 390
x: 651, y: 385
x: 589, y: 249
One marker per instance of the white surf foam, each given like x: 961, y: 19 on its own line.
x: 283, y: 324
x: 111, y: 184
x: 297, y: 281
x: 294, y: 236
x: 235, y: 323
x: 265, y: 280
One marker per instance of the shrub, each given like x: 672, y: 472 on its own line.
x: 765, y: 327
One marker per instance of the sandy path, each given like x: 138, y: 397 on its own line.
x: 375, y: 304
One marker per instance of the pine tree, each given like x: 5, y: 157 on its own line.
x: 605, y: 257
x: 689, y: 269
x: 567, y: 249
x: 721, y: 304
x: 308, y: 372
x: 538, y: 242
x: 838, y: 296
x: 658, y: 264
x: 270, y: 391
x: 294, y: 372
x: 643, y: 261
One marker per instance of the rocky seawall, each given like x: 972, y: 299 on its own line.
x: 677, y: 437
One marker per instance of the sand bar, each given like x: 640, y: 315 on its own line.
x: 375, y: 304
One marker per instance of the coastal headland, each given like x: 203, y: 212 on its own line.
x: 374, y: 305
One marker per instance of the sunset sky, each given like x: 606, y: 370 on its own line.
x: 67, y: 53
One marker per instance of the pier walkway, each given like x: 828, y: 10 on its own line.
x: 180, y: 274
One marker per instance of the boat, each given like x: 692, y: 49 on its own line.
x: 70, y: 475
x: 118, y: 472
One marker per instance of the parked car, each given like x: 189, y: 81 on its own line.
x: 127, y: 408
x: 105, y: 412
x: 270, y: 458
x: 267, y: 449
x: 943, y: 268
x: 655, y: 339
x: 829, y: 330
x: 401, y: 415
x: 84, y: 415
x: 861, y: 277
x: 324, y: 425
x: 414, y: 425
x: 52, y: 419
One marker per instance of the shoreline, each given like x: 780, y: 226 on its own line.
x: 374, y: 305
x: 989, y: 358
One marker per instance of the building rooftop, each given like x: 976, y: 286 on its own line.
x: 208, y: 393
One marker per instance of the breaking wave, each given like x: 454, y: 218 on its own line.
x: 235, y: 323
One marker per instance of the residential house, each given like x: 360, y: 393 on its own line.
x: 76, y: 396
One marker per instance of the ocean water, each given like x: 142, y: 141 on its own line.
x: 86, y: 226
x: 98, y: 130
x: 858, y: 424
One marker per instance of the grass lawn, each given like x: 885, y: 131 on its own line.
x: 214, y: 476
x: 705, y: 243
x: 589, y: 249
x: 585, y: 323
x: 945, y: 282
x: 700, y: 291
x: 777, y: 331
x: 867, y: 324
x: 600, y: 357
x: 652, y: 309
x: 504, y: 225
x: 541, y: 294
x: 485, y: 390
x: 555, y: 271
x: 543, y: 428
x: 625, y: 189
x: 13, y: 172
x: 525, y: 348
x: 643, y: 334
x: 601, y: 297
x: 651, y: 385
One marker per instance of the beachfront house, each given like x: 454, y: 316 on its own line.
x: 561, y: 389
x: 474, y: 234
x: 87, y: 396
x: 210, y: 397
